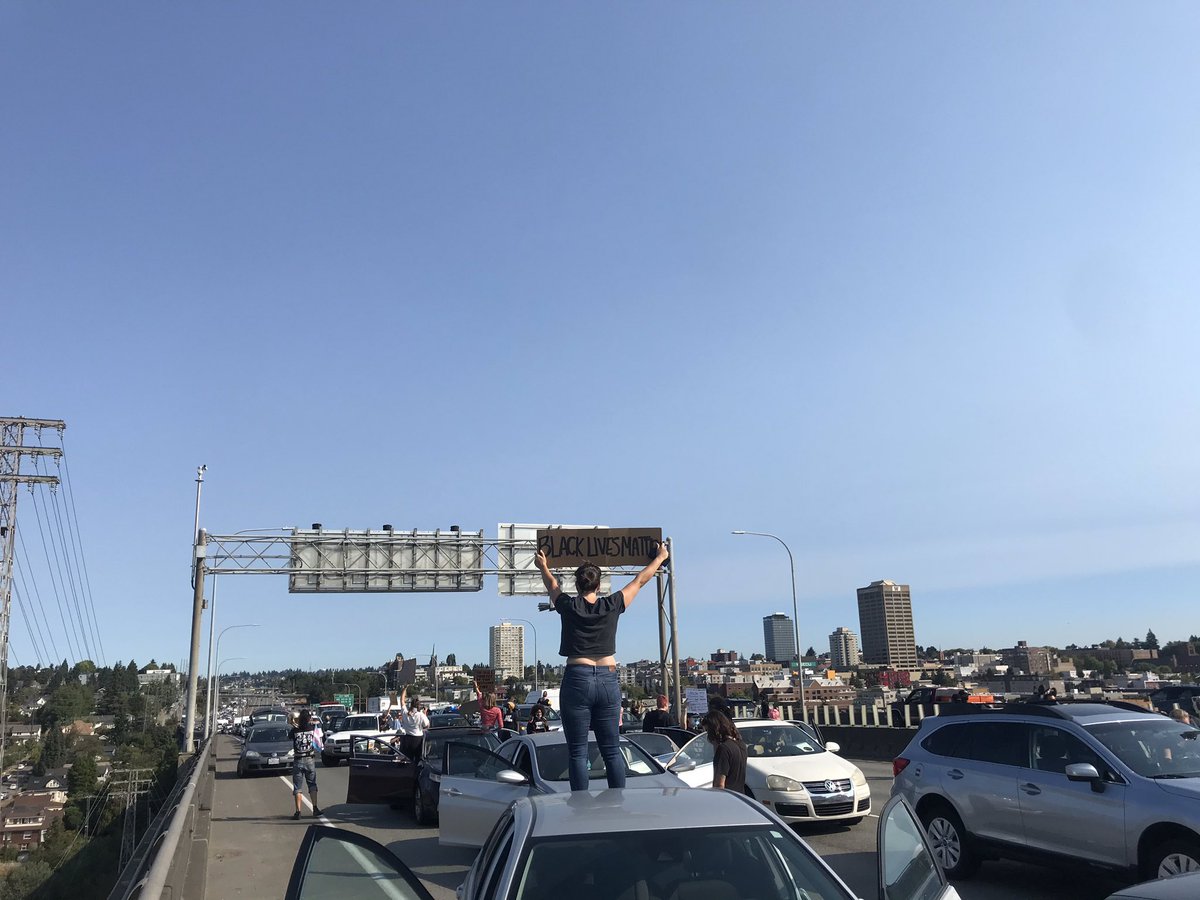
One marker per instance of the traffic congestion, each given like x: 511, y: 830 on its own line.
x: 1106, y: 789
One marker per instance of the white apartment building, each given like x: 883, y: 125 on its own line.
x: 507, y: 642
x: 843, y: 649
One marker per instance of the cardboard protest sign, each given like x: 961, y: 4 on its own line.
x: 566, y: 547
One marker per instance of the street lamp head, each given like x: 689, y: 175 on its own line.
x: 737, y: 532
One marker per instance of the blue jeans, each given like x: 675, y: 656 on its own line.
x: 590, y: 699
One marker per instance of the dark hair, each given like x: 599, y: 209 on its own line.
x: 538, y: 711
x: 587, y: 578
x: 305, y: 720
x: 719, y: 727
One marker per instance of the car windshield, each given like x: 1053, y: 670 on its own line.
x: 435, y: 742
x: 654, y: 743
x: 778, y: 740
x: 1155, y: 747
x: 360, y: 723
x: 267, y: 736
x: 552, y: 762
x: 765, y: 863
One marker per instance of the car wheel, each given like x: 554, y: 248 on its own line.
x: 1174, y: 857
x: 330, y: 761
x: 419, y: 811
x: 241, y: 772
x: 950, y: 841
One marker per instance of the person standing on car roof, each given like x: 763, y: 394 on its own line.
x: 306, y: 743
x: 590, y: 697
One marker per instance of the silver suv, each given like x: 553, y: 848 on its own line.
x: 1107, y: 784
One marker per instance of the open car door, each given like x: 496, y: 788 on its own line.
x: 471, y: 799
x: 907, y: 869
x: 334, y: 864
x: 379, y: 772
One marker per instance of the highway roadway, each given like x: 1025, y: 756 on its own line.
x: 254, y: 842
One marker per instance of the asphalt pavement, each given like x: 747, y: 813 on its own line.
x: 254, y: 842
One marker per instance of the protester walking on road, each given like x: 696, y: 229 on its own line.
x: 729, y: 752
x: 659, y: 717
x: 590, y: 697
x: 306, y: 744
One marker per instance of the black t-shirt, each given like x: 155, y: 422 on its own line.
x: 658, y: 718
x: 729, y: 759
x: 589, y: 629
x: 302, y: 742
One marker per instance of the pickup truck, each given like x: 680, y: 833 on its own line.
x: 337, y: 744
x: 925, y: 698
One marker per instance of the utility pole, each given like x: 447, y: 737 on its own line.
x: 135, y: 783
x: 189, y: 745
x: 12, y: 451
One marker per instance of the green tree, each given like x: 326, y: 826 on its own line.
x: 1151, y: 640
x: 81, y: 778
x: 23, y: 881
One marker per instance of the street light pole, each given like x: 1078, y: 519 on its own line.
x: 353, y: 687
x: 795, y: 616
x: 216, y: 704
x: 535, y: 650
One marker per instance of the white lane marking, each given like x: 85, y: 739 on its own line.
x: 384, y: 880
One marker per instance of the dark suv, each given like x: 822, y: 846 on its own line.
x: 1107, y: 784
x: 1185, y: 696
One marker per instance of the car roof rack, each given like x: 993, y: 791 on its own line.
x: 1058, y: 709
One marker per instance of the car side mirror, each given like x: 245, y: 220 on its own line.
x: 511, y: 776
x: 682, y: 765
x: 1085, y: 772
x: 833, y: 747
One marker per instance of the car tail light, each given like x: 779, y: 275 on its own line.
x: 898, y: 765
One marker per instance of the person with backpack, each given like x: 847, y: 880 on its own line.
x: 306, y: 744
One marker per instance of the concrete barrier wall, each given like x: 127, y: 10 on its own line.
x: 882, y: 744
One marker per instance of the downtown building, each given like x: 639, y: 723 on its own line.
x: 779, y: 638
x: 507, y: 655
x: 843, y: 649
x: 886, y: 623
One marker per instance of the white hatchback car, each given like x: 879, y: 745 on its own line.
x: 790, y: 773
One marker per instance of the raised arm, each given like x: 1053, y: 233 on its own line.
x: 643, y: 577
x: 548, y: 579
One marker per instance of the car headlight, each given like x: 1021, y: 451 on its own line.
x: 252, y: 754
x: 859, y: 778
x: 783, y: 783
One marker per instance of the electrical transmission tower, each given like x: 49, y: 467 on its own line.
x: 12, y: 452
x: 134, y: 783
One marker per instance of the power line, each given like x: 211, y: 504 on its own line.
x: 37, y: 594
x: 66, y: 566
x: 70, y: 492
x: 58, y: 596
x: 25, y: 619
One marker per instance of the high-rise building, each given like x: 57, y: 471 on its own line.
x: 779, y: 638
x: 507, y: 650
x: 885, y: 621
x: 843, y: 649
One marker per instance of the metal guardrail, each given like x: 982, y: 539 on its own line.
x: 170, y: 861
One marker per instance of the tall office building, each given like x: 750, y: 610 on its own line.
x: 779, y: 638
x: 885, y: 621
x: 508, y: 650
x: 843, y: 649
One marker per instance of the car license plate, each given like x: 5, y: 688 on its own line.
x: 274, y: 761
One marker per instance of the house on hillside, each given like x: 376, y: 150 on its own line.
x: 23, y: 731
x: 25, y: 823
x: 52, y: 785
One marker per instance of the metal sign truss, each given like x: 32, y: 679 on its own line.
x: 352, y: 561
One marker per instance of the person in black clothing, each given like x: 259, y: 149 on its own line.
x: 537, y: 720
x: 729, y: 753
x: 660, y: 717
x: 590, y: 698
x: 305, y: 744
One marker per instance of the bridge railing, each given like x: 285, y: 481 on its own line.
x: 171, y: 859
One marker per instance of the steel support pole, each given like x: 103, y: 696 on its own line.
x: 676, y: 686
x: 189, y: 742
x: 210, y: 709
x: 663, y: 683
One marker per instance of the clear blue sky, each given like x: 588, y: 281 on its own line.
x: 912, y: 287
